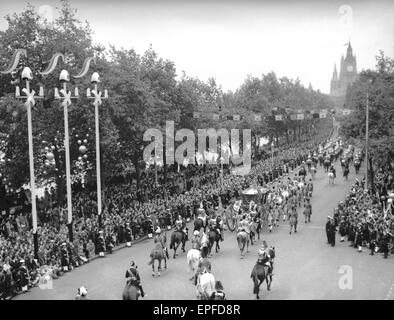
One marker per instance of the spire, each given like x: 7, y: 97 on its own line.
x: 349, y: 51
x: 335, y: 73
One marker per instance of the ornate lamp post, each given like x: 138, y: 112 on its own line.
x: 66, y: 102
x: 97, y: 96
x: 30, y: 97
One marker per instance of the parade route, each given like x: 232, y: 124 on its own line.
x: 306, y: 267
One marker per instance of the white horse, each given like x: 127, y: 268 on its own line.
x: 193, y: 258
x: 205, y: 286
x: 330, y: 178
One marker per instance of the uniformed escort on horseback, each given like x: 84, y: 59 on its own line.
x: 196, y: 240
x: 133, y: 276
x: 162, y: 239
x: 181, y: 226
x: 264, y: 258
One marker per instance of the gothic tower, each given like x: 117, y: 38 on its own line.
x: 347, y: 74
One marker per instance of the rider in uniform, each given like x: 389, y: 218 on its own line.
x: 202, y: 214
x: 133, y: 275
x: 196, y: 240
x: 159, y: 238
x: 181, y: 225
x: 263, y: 257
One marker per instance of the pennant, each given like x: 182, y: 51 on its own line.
x: 293, y: 117
x: 315, y: 116
x: 300, y: 116
x: 237, y: 117
x: 196, y: 115
x: 278, y: 117
x: 322, y: 115
x: 215, y: 116
x: 229, y: 117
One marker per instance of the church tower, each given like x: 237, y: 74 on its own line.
x: 347, y: 74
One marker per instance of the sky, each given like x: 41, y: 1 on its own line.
x: 228, y: 40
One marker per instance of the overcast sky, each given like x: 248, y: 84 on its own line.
x: 228, y: 40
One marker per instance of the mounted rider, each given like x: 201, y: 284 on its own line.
x: 244, y: 225
x: 181, y: 225
x: 264, y: 258
x: 133, y: 276
x: 201, y: 214
x: 196, y: 240
x: 160, y: 238
x: 216, y: 223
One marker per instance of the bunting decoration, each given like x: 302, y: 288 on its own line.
x: 297, y: 116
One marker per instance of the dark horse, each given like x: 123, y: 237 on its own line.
x: 261, y: 273
x: 130, y: 291
x: 213, y: 237
x: 178, y: 237
x: 199, y: 223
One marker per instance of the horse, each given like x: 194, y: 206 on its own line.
x: 243, y: 240
x: 261, y: 273
x: 178, y: 237
x: 193, y: 259
x: 158, y: 254
x: 199, y: 223
x: 213, y: 237
x: 205, y: 286
x: 331, y: 178
x: 130, y: 292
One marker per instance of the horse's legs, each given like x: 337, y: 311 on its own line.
x: 175, y: 248
x: 153, y: 268
x: 183, y: 244
x: 159, y: 268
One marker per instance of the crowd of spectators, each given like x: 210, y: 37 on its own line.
x: 366, y: 218
x: 129, y: 212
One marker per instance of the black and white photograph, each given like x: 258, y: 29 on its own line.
x: 185, y: 150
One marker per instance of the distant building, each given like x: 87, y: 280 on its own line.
x: 347, y: 75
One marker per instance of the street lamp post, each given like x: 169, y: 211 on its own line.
x: 30, y: 102
x: 66, y: 102
x: 97, y: 96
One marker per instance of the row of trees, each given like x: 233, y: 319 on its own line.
x: 379, y: 83
x: 144, y: 92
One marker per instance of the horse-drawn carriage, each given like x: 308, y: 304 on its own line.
x: 247, y: 196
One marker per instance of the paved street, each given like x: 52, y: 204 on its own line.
x: 305, y: 268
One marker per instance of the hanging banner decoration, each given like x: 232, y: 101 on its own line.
x: 278, y: 117
x: 257, y: 117
x: 52, y: 63
x: 196, y: 115
x: 300, y: 116
x: 237, y: 117
x: 322, y: 115
x: 85, y: 67
x: 15, y: 60
x: 215, y: 116
x: 293, y: 117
